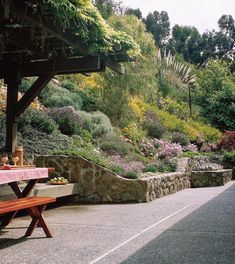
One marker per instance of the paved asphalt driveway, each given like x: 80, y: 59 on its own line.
x: 192, y: 226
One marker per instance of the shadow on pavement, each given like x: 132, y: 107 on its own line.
x: 207, y: 236
x: 8, y: 242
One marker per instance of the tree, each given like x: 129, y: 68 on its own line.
x: 216, y: 94
x: 139, y: 79
x: 134, y: 12
x: 186, y: 41
x: 108, y: 7
x: 159, y: 25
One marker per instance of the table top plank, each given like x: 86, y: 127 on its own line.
x: 7, y: 176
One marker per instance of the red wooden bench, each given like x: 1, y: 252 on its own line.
x: 35, y: 207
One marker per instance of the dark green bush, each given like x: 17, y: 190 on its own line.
x: 68, y: 120
x: 89, y: 101
x: 131, y: 175
x: 69, y: 85
x: 25, y: 84
x: 151, y: 168
x: 152, y: 125
x: 166, y: 165
x: 37, y: 119
x: 180, y: 138
x: 37, y: 142
x: 229, y: 158
x: 154, y: 130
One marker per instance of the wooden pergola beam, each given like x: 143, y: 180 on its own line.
x: 58, y: 66
x: 32, y: 93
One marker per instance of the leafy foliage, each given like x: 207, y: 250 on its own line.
x: 82, y: 19
x: 38, y: 120
x: 159, y: 25
x: 216, y: 95
x: 112, y: 144
x: 140, y: 76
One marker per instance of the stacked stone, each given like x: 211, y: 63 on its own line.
x: 167, y: 183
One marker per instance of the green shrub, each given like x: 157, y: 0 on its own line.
x: 229, y: 158
x: 180, y: 138
x: 89, y: 101
x: 134, y: 132
x: 84, y: 153
x: 57, y: 96
x: 37, y: 142
x: 97, y: 123
x: 69, y: 85
x: 166, y: 165
x: 131, y: 175
x: 113, y: 145
x: 68, y: 120
x: 118, y: 170
x: 154, y: 130
x: 153, y: 125
x: 39, y: 120
x: 178, y: 109
x: 151, y: 168
x: 25, y: 84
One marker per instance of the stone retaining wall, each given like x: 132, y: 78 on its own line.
x: 99, y: 185
x: 210, y: 178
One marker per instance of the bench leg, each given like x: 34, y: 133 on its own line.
x: 20, y: 194
x: 37, y: 219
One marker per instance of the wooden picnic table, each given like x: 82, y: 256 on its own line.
x: 12, y: 177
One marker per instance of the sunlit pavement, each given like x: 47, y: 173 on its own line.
x: 191, y: 226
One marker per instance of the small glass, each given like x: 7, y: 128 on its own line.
x: 15, y: 159
x: 4, y: 159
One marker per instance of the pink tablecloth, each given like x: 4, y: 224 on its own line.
x: 7, y: 176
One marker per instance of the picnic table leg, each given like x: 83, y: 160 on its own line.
x: 38, y: 219
x: 20, y: 194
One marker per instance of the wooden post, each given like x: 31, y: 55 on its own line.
x: 190, y: 100
x: 13, y: 81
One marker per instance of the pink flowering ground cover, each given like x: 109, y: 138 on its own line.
x: 133, y: 166
x: 168, y: 149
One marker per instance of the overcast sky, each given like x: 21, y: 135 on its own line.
x: 202, y: 14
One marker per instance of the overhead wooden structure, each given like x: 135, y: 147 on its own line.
x: 34, y: 43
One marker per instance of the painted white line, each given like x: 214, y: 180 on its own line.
x: 137, y: 235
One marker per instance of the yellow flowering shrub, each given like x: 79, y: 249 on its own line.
x: 139, y: 107
x: 172, y: 123
x: 210, y: 133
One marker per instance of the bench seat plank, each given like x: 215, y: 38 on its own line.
x: 24, y: 203
x: 34, y: 205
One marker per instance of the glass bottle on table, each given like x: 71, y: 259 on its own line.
x: 20, y: 153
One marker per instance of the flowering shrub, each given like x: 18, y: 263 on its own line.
x: 138, y: 106
x: 148, y: 148
x: 69, y: 121
x: 175, y: 108
x: 208, y: 147
x: 191, y: 148
x: 126, y: 167
x: 168, y: 149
